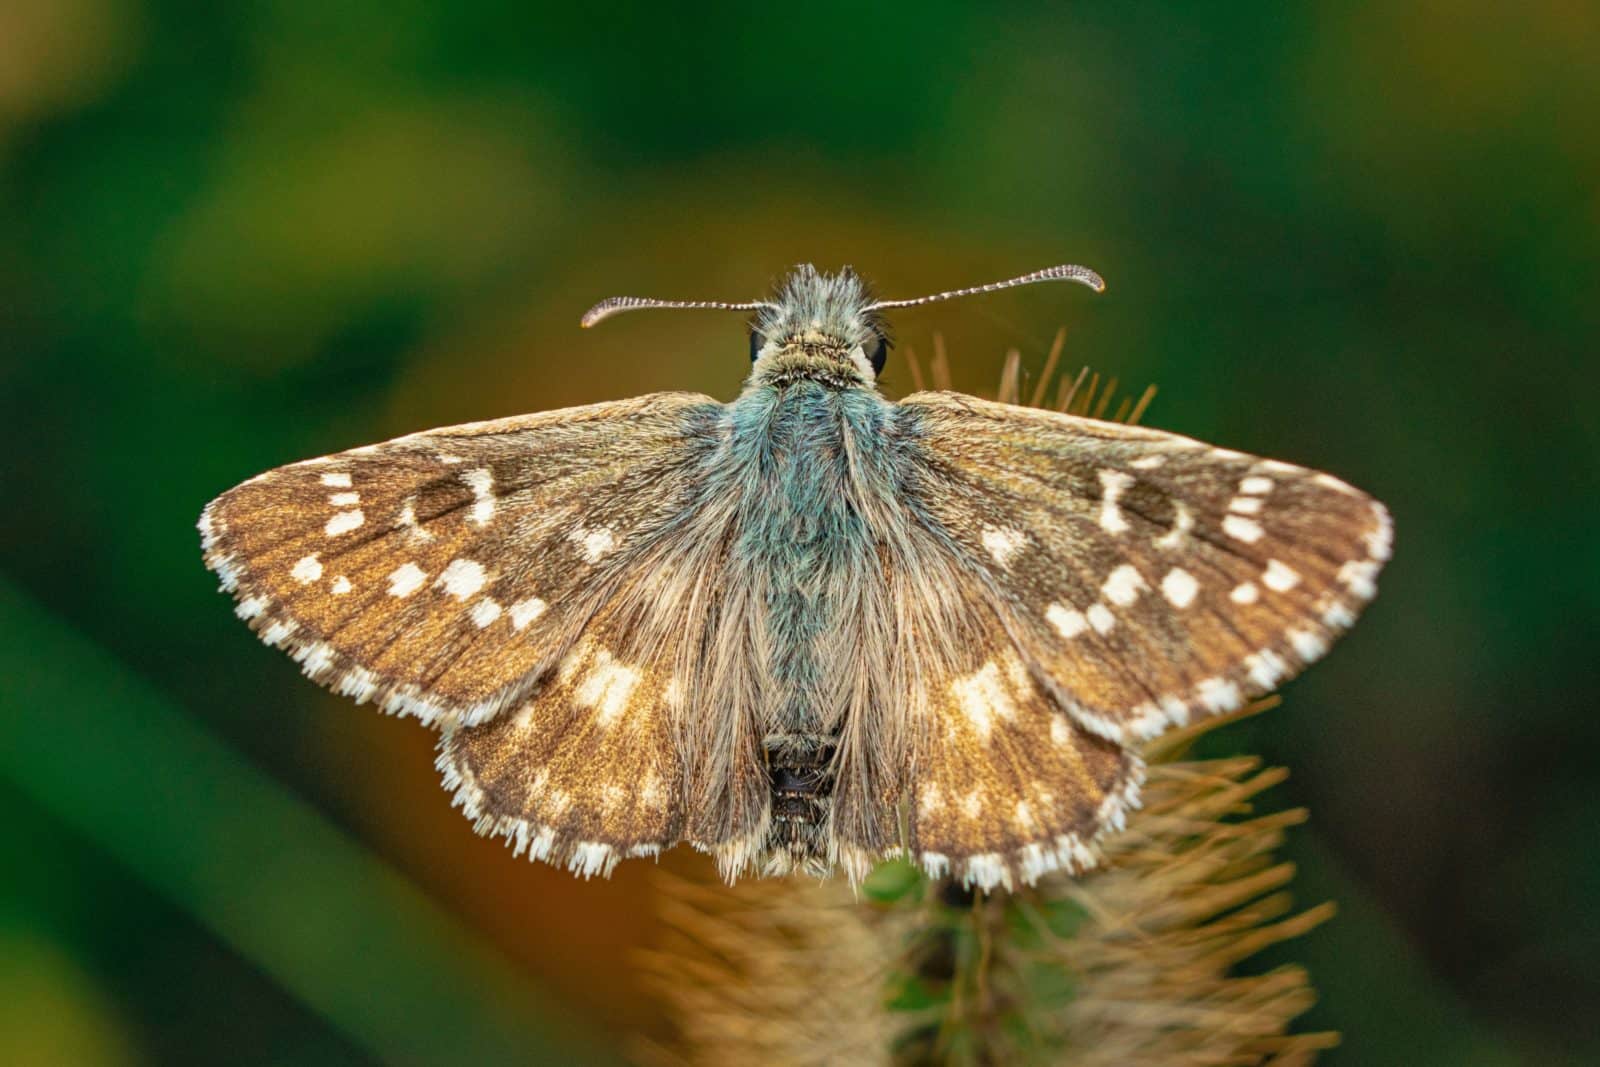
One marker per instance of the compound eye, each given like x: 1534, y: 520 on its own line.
x: 877, y: 352
x: 756, y: 343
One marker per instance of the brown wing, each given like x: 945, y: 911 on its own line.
x: 1144, y: 577
x: 442, y: 574
x: 1005, y: 785
x: 588, y: 769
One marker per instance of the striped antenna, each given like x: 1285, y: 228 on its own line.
x: 1065, y: 272
x: 616, y: 305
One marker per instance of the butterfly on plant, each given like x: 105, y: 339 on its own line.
x: 808, y: 628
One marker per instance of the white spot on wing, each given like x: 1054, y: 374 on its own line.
x: 612, y: 797
x: 308, y: 570
x: 406, y: 579
x: 592, y: 857
x: 1218, y: 694
x: 340, y: 586
x: 1113, y: 484
x: 481, y: 481
x: 1182, y: 523
x: 343, y: 522
x: 1060, y: 732
x: 1245, y: 593
x: 1266, y: 668
x: 1246, y: 505
x: 525, y: 611
x: 1380, y: 539
x: 1179, y: 587
x: 607, y: 687
x: 1279, y: 577
x: 1146, y: 463
x: 1241, y: 529
x: 1100, y: 618
x: 315, y: 658
x: 1122, y: 586
x: 983, y: 698
x: 1023, y: 816
x: 972, y: 804
x: 1308, y: 644
x: 277, y: 632
x: 227, y: 573
x: 1068, y: 623
x: 652, y: 794
x: 1338, y: 617
x: 462, y: 578
x: 1256, y: 485
x: 408, y: 519
x: 339, y: 480
x: 1143, y: 720
x: 484, y: 612
x: 1002, y: 543
x: 1360, y: 576
x: 987, y: 870
x: 344, y: 500
x: 595, y: 544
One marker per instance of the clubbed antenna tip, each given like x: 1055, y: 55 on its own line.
x: 1068, y: 272
x: 616, y: 305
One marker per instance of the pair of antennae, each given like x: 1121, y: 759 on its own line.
x: 1066, y: 272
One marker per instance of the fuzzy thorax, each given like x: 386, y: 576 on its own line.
x: 818, y: 326
x: 837, y: 368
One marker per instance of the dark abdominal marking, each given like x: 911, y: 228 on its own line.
x: 801, y: 781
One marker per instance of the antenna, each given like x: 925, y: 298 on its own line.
x: 616, y: 305
x: 1065, y: 272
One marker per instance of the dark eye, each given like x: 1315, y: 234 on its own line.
x: 877, y: 352
x: 756, y: 341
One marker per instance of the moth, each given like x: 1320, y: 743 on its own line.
x: 809, y: 628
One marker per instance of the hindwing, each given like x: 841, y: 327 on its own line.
x: 1003, y: 784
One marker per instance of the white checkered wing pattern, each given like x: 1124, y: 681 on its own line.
x: 443, y: 574
x: 1146, y: 578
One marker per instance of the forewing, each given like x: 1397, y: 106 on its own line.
x: 443, y: 574
x: 1145, y: 577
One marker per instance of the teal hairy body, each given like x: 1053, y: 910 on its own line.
x: 806, y: 453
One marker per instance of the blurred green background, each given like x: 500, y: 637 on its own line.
x: 1361, y: 237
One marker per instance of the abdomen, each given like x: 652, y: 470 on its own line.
x: 805, y: 535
